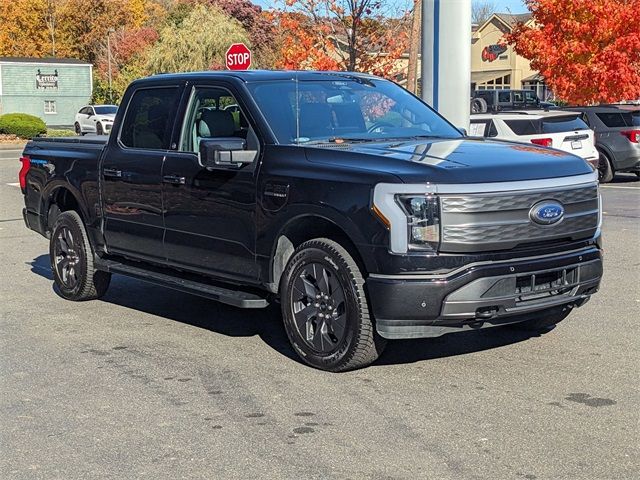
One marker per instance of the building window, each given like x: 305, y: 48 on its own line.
x: 50, y: 106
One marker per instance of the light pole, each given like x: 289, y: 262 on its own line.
x: 446, y: 58
x: 109, y: 32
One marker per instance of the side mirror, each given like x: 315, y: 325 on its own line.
x: 225, y: 153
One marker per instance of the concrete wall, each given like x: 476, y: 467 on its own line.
x: 18, y: 91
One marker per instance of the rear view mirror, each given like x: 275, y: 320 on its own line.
x: 225, y: 153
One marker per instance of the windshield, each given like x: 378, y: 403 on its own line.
x: 106, y: 109
x: 348, y: 108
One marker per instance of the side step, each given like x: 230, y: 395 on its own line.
x: 237, y: 298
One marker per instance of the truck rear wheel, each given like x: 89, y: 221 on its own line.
x: 541, y: 321
x: 72, y: 264
x: 325, y: 310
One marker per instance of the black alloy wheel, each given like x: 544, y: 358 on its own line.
x: 72, y: 262
x: 78, y: 129
x: 319, y: 307
x: 99, y: 130
x: 67, y: 257
x: 325, y: 309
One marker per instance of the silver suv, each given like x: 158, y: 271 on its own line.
x: 617, y: 138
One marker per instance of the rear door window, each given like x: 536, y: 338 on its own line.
x: 563, y: 124
x: 524, y: 127
x: 612, y: 119
x: 635, y: 119
x: 149, y: 118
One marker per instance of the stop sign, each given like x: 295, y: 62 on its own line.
x: 238, y: 57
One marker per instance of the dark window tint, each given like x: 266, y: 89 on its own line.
x: 504, y: 97
x: 493, y: 131
x: 106, y: 109
x: 524, y: 127
x: 635, y: 119
x: 585, y: 118
x: 563, y: 124
x: 612, y: 119
x: 147, y: 123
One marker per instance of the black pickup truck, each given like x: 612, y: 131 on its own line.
x: 342, y: 196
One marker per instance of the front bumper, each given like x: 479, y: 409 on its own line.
x: 481, y: 295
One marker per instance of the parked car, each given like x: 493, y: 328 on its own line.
x: 96, y: 119
x: 554, y: 129
x: 617, y: 137
x: 361, y: 211
x: 483, y: 101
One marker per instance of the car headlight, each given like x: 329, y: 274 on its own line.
x: 411, y: 213
x: 423, y: 220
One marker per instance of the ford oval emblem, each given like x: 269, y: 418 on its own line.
x: 546, y: 213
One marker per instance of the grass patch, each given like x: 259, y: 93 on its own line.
x: 54, y: 132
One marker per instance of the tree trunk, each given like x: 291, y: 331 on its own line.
x: 414, y: 47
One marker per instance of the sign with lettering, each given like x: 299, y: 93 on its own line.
x: 46, y: 80
x: 492, y: 52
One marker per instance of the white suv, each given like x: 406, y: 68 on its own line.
x: 96, y: 119
x: 554, y: 129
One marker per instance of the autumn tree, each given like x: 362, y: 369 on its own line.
x: 353, y: 35
x: 198, y: 42
x: 587, y: 51
x: 481, y: 11
x: 24, y: 28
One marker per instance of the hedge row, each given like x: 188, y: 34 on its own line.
x: 22, y: 125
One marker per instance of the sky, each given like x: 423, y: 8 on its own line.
x: 504, y: 6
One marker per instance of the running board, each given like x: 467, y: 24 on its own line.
x: 237, y: 298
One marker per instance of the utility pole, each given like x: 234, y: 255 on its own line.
x: 109, y: 32
x: 414, y: 46
x: 446, y: 58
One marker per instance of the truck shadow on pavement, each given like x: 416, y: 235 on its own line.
x: 267, y: 323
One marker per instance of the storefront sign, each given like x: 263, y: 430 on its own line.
x: 47, y: 80
x: 492, y: 52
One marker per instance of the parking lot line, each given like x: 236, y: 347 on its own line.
x: 13, y: 184
x: 616, y: 186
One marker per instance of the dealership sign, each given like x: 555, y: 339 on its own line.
x: 492, y: 52
x: 46, y: 80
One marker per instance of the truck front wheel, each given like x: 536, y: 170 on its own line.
x: 325, y: 310
x: 71, y: 255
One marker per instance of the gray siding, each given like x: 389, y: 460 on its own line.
x: 18, y: 92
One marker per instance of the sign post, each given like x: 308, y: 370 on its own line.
x: 238, y: 57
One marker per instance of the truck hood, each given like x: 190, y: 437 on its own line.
x: 453, y: 160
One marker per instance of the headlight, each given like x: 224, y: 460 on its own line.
x: 423, y: 220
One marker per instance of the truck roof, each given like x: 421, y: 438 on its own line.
x: 249, y: 76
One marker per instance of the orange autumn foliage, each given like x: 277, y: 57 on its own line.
x: 587, y: 50
x: 340, y: 35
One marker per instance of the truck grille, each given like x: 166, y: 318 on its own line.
x: 500, y: 221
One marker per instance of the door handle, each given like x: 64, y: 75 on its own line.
x: 174, y: 179
x: 112, y: 172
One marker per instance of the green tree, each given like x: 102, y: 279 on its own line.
x: 198, y: 42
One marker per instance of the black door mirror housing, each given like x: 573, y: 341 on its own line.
x: 225, y: 153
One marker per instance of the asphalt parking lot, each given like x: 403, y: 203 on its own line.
x: 153, y: 383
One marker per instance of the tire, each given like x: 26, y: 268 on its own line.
x: 99, y: 130
x: 71, y: 255
x: 479, y: 105
x: 78, y: 129
x: 544, y: 320
x: 325, y: 310
x: 605, y: 169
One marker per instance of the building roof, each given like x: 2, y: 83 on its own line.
x: 52, y: 60
x: 512, y: 20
